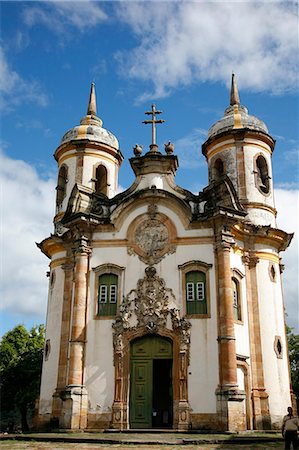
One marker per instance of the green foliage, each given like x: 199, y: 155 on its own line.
x: 293, y: 344
x: 20, y: 369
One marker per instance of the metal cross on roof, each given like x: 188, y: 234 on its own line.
x: 154, y: 121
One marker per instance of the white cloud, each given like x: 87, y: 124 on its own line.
x: 287, y: 204
x: 15, y: 90
x: 59, y: 16
x: 186, y: 42
x: 27, y: 213
x: 188, y: 149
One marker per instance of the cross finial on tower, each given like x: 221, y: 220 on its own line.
x: 234, y: 94
x: 92, y: 105
x: 153, y: 121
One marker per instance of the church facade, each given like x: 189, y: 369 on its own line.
x: 165, y: 308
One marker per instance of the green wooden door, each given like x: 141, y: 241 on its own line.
x: 144, y: 352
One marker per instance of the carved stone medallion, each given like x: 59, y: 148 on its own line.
x: 151, y: 236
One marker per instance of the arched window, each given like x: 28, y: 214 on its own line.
x: 61, y: 185
x: 236, y: 299
x: 262, y: 175
x: 218, y: 168
x: 107, y: 294
x: 101, y: 180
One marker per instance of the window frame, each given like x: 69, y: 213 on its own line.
x: 106, y: 269
x: 266, y: 178
x: 61, y: 187
x: 237, y: 277
x: 195, y: 266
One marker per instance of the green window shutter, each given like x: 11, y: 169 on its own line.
x: 107, y: 294
x: 196, y: 300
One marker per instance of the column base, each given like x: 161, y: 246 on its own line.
x: 231, y: 409
x: 181, y: 415
x: 74, y: 408
x: 261, y: 415
x: 120, y: 416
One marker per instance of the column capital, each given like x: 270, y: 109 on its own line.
x: 82, y: 245
x: 225, y: 240
x: 250, y: 259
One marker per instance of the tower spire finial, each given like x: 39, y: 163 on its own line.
x: 234, y: 94
x: 92, y: 105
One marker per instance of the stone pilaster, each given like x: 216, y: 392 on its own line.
x: 64, y: 340
x: 74, y: 396
x: 183, y: 404
x: 230, y: 401
x: 260, y: 404
x: 119, y: 408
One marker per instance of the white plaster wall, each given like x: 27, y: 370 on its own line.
x: 203, y: 371
x: 259, y: 216
x: 99, y: 376
x: 272, y: 324
x: 181, y: 230
x: 70, y: 163
x: 159, y: 180
x: 107, y: 161
x: 53, y: 331
x: 241, y: 330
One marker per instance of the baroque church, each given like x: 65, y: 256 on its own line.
x: 165, y: 308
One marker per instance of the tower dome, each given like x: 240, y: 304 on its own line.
x: 236, y: 117
x: 239, y: 146
x: 90, y: 127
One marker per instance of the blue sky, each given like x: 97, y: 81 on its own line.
x: 177, y: 54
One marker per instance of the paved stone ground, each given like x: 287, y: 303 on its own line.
x: 140, y: 441
x: 23, y: 445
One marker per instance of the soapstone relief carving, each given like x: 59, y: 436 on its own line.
x: 150, y: 304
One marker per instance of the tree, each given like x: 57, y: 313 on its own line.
x: 21, y: 354
x: 293, y: 344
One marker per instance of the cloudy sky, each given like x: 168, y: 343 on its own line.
x: 177, y: 54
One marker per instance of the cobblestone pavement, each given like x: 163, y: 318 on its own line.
x: 23, y: 445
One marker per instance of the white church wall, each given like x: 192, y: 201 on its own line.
x: 258, y: 215
x: 99, y: 375
x: 203, y: 369
x: 88, y: 173
x: 241, y: 329
x: 275, y: 368
x: 53, y: 331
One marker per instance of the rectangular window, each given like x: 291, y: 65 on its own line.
x: 190, y: 292
x: 113, y: 293
x: 196, y: 291
x: 200, y: 291
x: 103, y: 293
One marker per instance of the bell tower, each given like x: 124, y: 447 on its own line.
x: 240, y: 146
x: 89, y: 156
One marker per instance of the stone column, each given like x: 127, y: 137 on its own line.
x: 260, y: 404
x: 64, y: 340
x: 230, y: 407
x: 74, y: 411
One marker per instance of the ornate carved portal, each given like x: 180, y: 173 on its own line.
x: 150, y: 309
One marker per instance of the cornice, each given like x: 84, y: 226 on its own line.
x: 265, y: 235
